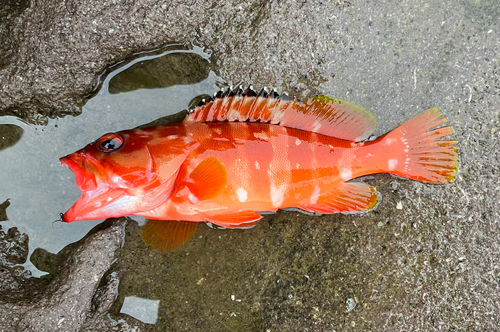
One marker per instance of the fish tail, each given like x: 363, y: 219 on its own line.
x: 414, y: 150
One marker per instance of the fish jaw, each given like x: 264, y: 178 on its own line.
x: 106, y: 202
x: 100, y: 203
x: 100, y: 200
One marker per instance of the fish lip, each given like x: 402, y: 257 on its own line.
x: 85, y: 179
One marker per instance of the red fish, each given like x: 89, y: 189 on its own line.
x: 241, y: 152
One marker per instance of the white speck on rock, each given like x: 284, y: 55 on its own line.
x: 351, y: 304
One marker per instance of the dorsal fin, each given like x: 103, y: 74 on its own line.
x: 321, y: 114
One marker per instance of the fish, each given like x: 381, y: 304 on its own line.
x: 242, y: 153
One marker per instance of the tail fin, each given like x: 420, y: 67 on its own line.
x: 419, y: 154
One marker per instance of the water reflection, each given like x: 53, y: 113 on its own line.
x: 39, y: 188
x: 145, y: 310
x: 10, y: 134
x: 3, y: 210
x: 163, y: 72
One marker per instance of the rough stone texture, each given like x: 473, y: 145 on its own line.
x: 58, y: 47
x: 73, y: 296
x: 15, y: 283
x: 432, y: 265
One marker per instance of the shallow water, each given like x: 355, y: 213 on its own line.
x: 31, y: 177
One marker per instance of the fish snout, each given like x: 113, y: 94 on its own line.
x: 85, y: 178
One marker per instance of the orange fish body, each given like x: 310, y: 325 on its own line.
x: 242, y: 153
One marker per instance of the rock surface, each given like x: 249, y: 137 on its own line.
x: 75, y: 296
x: 429, y: 263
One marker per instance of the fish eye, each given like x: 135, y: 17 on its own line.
x: 110, y: 143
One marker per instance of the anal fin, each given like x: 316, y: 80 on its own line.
x: 242, y: 219
x: 349, y: 197
x: 168, y: 235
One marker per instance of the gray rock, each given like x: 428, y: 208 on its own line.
x: 76, y: 294
x: 52, y: 60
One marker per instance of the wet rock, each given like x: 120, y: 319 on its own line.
x: 54, y: 59
x: 77, y: 292
x: 15, y: 282
x: 3, y: 210
x: 13, y: 247
x: 45, y: 261
x: 10, y: 12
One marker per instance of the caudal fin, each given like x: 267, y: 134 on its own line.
x: 418, y: 153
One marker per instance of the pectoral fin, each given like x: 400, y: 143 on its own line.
x: 347, y: 198
x: 208, y: 180
x: 168, y: 235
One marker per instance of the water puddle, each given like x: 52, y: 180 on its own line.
x: 35, y: 188
x: 145, y: 310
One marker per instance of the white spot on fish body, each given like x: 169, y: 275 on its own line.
x: 261, y: 135
x: 109, y: 199
x: 98, y: 204
x: 297, y: 165
x: 278, y: 194
x: 218, y: 131
x: 346, y: 174
x: 193, y: 198
x: 315, y: 195
x: 389, y: 141
x: 172, y: 136
x: 297, y: 142
x: 242, y: 195
x: 257, y: 166
x: 392, y: 164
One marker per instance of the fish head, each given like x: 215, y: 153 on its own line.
x: 125, y: 173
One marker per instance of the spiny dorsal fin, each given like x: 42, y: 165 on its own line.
x: 321, y: 114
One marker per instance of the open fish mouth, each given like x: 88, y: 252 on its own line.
x: 100, y: 200
x: 97, y: 200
